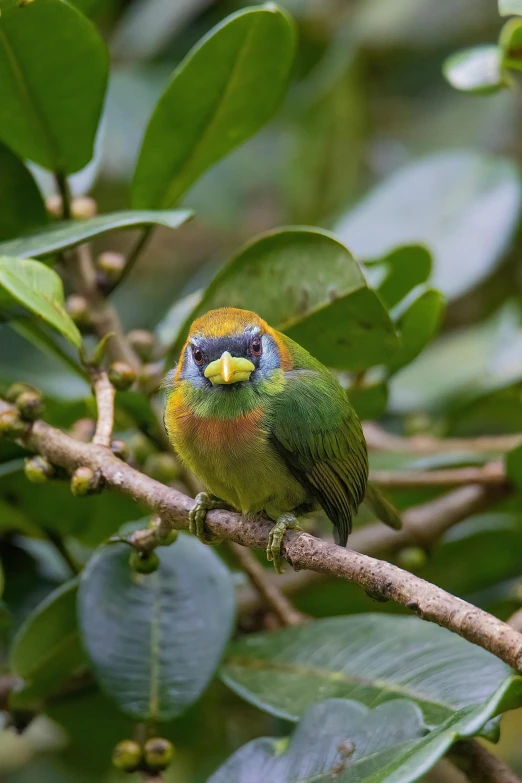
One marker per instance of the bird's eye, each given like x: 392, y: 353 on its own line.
x: 198, y: 355
x: 255, y: 346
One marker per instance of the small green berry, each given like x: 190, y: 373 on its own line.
x: 84, y: 481
x: 165, y: 538
x: 83, y: 208
x: 121, y: 375
x: 144, y: 562
x: 158, y: 753
x: 162, y: 466
x: 30, y: 405
x: 11, y: 424
x: 16, y: 389
x: 141, y: 447
x: 412, y: 558
x: 38, y: 469
x: 127, y: 756
x: 144, y: 344
x: 120, y: 449
x: 150, y: 377
x: 78, y: 309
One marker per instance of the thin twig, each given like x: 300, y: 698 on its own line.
x: 493, y: 474
x: 267, y: 588
x: 300, y: 549
x: 133, y: 256
x: 479, y: 765
x: 380, y: 440
x: 105, y: 393
x: 63, y: 188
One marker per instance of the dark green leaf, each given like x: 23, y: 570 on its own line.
x: 510, y: 43
x: 368, y: 657
x: 395, y: 275
x: 307, y: 284
x: 21, y: 205
x: 476, y: 70
x: 510, y: 7
x: 60, y: 236
x: 464, y: 206
x: 514, y: 466
x: 53, y: 73
x: 39, y: 289
x: 47, y: 650
x: 417, y: 322
x: 369, y: 401
x: 167, y: 630
x: 347, y: 742
x: 224, y: 91
x: 35, y: 333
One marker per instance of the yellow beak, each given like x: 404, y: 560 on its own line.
x: 229, y: 369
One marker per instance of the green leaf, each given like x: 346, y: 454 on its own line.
x: 476, y: 70
x: 510, y: 43
x: 47, y: 650
x: 370, y: 400
x: 53, y: 74
x: 514, y: 466
x: 347, y: 742
x: 36, y: 334
x: 39, y: 289
x: 305, y: 283
x: 21, y: 205
x: 464, y: 206
x: 417, y: 322
x: 368, y: 657
x: 167, y: 630
x: 62, y: 235
x: 510, y: 7
x: 222, y: 93
x: 395, y: 275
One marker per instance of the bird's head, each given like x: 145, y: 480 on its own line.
x: 230, y: 348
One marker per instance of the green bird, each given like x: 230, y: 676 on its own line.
x: 267, y: 429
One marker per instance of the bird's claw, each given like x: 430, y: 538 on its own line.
x: 273, y: 551
x: 197, y: 516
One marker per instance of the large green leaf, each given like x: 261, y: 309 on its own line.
x: 345, y: 741
x: 53, y: 73
x: 307, y: 284
x: 368, y: 657
x: 464, y: 206
x: 42, y: 338
x: 224, y: 91
x: 417, y: 320
x: 155, y: 640
x: 47, y: 649
x: 395, y: 275
x: 476, y: 70
x: 60, y: 236
x: 21, y: 205
x: 32, y: 284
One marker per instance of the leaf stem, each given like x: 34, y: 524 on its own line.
x: 133, y: 256
x: 65, y: 192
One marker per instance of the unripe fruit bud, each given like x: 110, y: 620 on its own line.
x: 127, y: 756
x: 162, y: 467
x: 109, y: 266
x: 38, y: 469
x: 15, y: 390
x: 11, y: 424
x: 150, y: 377
x: 30, y: 405
x: 144, y: 562
x: 141, y: 447
x: 83, y: 208
x: 78, y: 309
x: 84, y: 481
x: 412, y: 558
x: 121, y: 375
x: 120, y: 449
x: 53, y: 205
x: 144, y: 344
x: 158, y: 753
x: 167, y: 537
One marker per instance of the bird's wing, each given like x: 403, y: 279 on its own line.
x: 317, y: 433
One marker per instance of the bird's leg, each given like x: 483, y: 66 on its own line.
x: 284, y: 522
x: 203, y: 503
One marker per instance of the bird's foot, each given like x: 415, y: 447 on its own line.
x: 273, y: 551
x: 197, y: 516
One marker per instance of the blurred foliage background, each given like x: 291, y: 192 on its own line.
x: 368, y: 102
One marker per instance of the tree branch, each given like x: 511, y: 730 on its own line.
x: 493, y: 474
x: 105, y: 393
x: 479, y: 765
x: 267, y: 588
x: 301, y: 550
x: 380, y: 440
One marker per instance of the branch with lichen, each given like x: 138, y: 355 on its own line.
x: 378, y: 578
